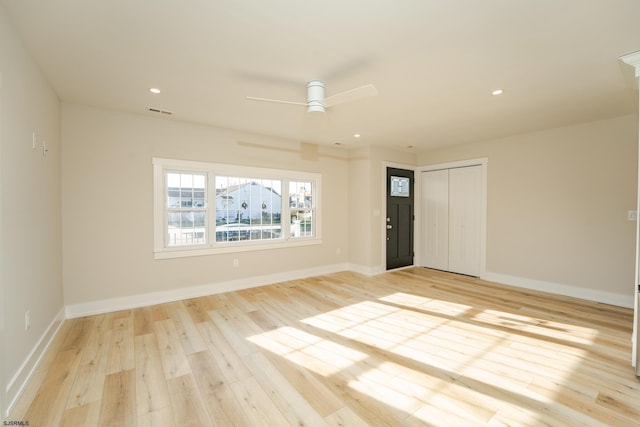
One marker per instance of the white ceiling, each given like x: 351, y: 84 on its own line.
x: 434, y: 62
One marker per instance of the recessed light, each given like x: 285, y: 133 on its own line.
x: 154, y: 90
x: 356, y: 135
x: 497, y: 92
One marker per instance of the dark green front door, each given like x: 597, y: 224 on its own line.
x: 399, y: 221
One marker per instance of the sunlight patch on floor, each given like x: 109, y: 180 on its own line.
x: 319, y: 355
x: 378, y: 324
x: 460, y: 351
x: 430, y: 304
x: 423, y: 396
x: 405, y: 332
x: 569, y: 334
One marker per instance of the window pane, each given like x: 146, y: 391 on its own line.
x: 198, y: 181
x: 302, y: 223
x: 173, y: 180
x: 300, y: 194
x: 185, y: 190
x: 236, y: 232
x: 186, y: 180
x: 247, y: 209
x: 173, y: 197
x: 198, y: 198
x: 186, y: 228
x: 186, y: 199
x: 301, y: 204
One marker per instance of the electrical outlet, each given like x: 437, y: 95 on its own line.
x: 236, y: 262
x: 27, y: 320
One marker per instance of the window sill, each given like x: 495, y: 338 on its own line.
x: 231, y: 247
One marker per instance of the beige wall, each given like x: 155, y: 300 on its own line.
x: 558, y: 202
x: 360, y: 205
x: 108, y: 212
x: 3, y: 346
x: 367, y: 176
x: 30, y: 201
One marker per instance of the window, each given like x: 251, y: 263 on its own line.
x: 207, y: 208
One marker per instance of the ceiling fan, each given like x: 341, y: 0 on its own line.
x: 316, y: 102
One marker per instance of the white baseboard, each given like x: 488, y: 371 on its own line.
x: 620, y: 300
x: 142, y: 300
x: 16, y: 386
x: 361, y: 269
x: 366, y: 270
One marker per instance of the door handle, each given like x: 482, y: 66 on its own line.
x: 389, y: 226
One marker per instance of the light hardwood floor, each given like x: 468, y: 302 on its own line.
x: 411, y: 347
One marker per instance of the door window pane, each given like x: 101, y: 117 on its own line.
x: 400, y: 186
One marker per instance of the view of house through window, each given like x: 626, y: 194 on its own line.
x: 248, y: 209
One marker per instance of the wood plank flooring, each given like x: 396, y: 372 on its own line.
x: 414, y: 347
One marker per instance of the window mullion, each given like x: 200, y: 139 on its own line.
x: 285, y: 220
x: 210, y: 203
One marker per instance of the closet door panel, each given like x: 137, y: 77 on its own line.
x: 465, y: 203
x: 435, y: 212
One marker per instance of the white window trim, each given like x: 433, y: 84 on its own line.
x: 161, y: 251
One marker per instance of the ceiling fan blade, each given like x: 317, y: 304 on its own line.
x: 350, y: 95
x: 253, y: 98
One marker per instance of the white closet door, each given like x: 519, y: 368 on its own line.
x: 435, y: 211
x: 465, y: 203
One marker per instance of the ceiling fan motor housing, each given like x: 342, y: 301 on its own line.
x: 315, y: 96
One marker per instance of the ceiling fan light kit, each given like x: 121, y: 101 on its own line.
x: 315, y: 96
